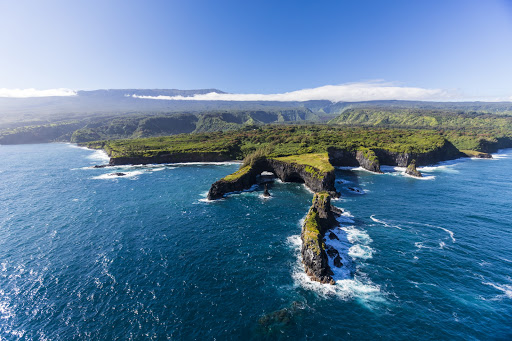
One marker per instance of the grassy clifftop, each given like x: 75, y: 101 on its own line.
x: 315, y: 163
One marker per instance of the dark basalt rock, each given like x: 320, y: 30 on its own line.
x: 355, y: 190
x: 170, y: 158
x: 483, y: 156
x: 118, y: 174
x: 266, y: 193
x: 342, y: 157
x: 333, y: 236
x: 337, y: 261
x: 287, y: 172
x: 412, y: 171
x: 100, y: 166
x: 282, y: 318
x: 368, y: 160
x: 320, y: 218
x: 332, y: 252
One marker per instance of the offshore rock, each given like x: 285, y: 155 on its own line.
x: 483, y: 156
x: 266, y: 193
x: 320, y: 218
x: 412, y: 171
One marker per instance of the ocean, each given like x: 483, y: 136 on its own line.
x: 92, y: 256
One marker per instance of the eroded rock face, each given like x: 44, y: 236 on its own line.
x: 287, y: 172
x: 412, y: 171
x: 320, y: 218
x: 368, y: 160
x: 170, y: 158
x: 372, y: 159
x: 483, y: 156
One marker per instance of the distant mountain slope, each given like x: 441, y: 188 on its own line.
x: 138, y: 125
x: 16, y: 112
x: 422, y: 118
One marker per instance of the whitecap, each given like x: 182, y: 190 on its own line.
x: 442, y: 245
x: 361, y: 251
x: 505, y: 288
x: 420, y: 245
x: 452, y: 235
x: 372, y: 217
x: 111, y: 176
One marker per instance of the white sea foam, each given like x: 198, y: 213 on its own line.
x: 444, y: 166
x: 355, y: 235
x: 424, y: 177
x: 361, y: 251
x: 420, y: 245
x: 346, y: 217
x: 359, y: 287
x: 452, y: 235
x: 500, y: 155
x: 505, y: 288
x: 99, y: 155
x: 111, y: 176
x: 442, y: 245
x: 372, y: 217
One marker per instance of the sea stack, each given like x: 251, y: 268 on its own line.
x: 266, y: 193
x: 412, y: 171
x: 320, y: 218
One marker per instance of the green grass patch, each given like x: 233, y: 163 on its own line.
x: 314, y: 163
x: 236, y: 175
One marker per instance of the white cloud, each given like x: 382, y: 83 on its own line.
x: 352, y: 92
x: 25, y: 93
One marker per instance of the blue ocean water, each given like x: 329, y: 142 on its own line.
x: 85, y: 255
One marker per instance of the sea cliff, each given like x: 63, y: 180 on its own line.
x: 320, y: 218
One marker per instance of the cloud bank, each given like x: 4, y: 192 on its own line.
x: 26, y: 93
x: 353, y: 92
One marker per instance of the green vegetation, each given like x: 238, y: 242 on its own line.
x: 282, y: 141
x: 258, y: 154
x: 311, y: 235
x: 316, y: 164
x: 236, y: 175
x: 369, y: 154
x: 423, y: 118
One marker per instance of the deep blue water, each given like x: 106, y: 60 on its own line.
x: 84, y: 255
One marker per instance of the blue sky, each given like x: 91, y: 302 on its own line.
x: 463, y: 47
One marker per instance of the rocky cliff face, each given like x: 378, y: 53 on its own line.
x: 287, y: 172
x: 363, y: 158
x: 320, y: 218
x: 372, y: 159
x: 368, y: 160
x: 170, y: 158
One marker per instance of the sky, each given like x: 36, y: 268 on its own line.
x: 435, y: 49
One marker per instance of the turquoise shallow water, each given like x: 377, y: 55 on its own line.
x: 84, y: 255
